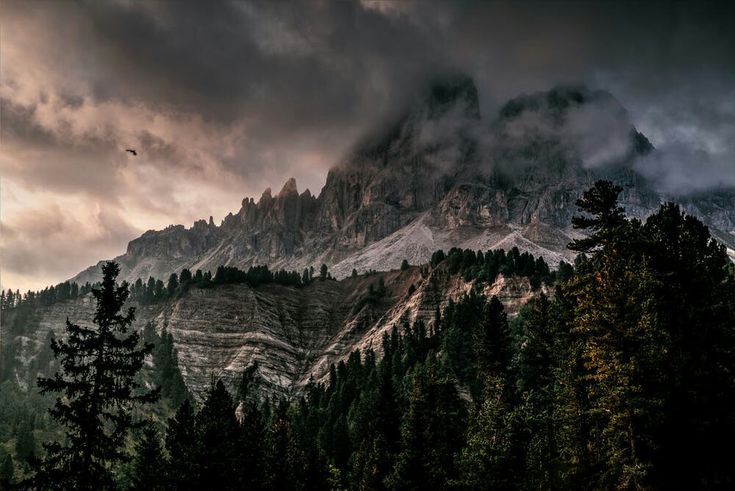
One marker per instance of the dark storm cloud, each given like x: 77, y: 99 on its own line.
x: 325, y: 70
x: 226, y: 98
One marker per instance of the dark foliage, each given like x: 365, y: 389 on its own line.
x: 97, y: 390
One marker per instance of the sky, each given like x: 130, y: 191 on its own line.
x: 223, y: 99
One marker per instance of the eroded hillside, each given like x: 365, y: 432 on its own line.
x: 293, y: 333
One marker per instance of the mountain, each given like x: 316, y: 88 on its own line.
x: 293, y: 334
x: 436, y: 177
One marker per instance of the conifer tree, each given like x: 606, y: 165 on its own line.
x: 623, y: 343
x: 149, y: 463
x: 97, y: 390
x: 697, y: 308
x: 168, y: 375
x: 217, y: 440
x: 432, y: 434
x: 492, y: 340
x: 181, y: 445
x: 536, y: 383
x: 487, y: 460
x: 605, y: 216
x: 172, y: 285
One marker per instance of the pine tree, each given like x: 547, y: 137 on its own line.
x: 623, y: 344
x: 536, y: 384
x: 253, y: 447
x: 150, y: 291
x: 185, y: 277
x: 382, y: 439
x: 173, y: 285
x: 697, y: 308
x: 601, y: 202
x: 167, y: 373
x: 432, y: 433
x: 488, y: 459
x: 98, y: 390
x: 149, y: 463
x: 181, y: 445
x: 286, y: 464
x: 492, y: 340
x: 217, y: 440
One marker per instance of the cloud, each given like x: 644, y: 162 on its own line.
x: 38, y: 244
x: 680, y: 168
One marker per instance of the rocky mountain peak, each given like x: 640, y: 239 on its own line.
x: 288, y: 188
x: 266, y: 196
x: 435, y: 177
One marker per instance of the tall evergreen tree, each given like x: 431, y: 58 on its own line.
x: 181, y: 445
x: 536, y: 384
x: 696, y: 306
x: 218, y: 444
x: 98, y: 390
x: 489, y: 457
x: 432, y: 434
x: 492, y: 340
x: 623, y: 343
x: 149, y: 463
x: 173, y: 284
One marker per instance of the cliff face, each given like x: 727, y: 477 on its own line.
x: 438, y: 176
x: 294, y: 334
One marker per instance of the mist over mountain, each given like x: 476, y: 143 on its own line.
x: 437, y: 175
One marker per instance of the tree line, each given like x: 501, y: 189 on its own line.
x: 43, y: 298
x: 155, y: 290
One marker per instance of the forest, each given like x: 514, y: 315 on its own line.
x: 622, y: 377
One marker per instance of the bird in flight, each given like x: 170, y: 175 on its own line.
x: 131, y: 151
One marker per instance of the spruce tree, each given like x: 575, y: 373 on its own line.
x: 697, y: 307
x: 536, y: 385
x: 181, y: 445
x: 97, y: 390
x: 149, y: 463
x: 492, y: 340
x: 432, y: 433
x: 218, y: 446
x: 487, y: 460
x: 173, y: 285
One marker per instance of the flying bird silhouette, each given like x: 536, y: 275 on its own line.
x: 131, y: 151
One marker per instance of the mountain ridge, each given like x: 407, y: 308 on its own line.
x: 437, y: 177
